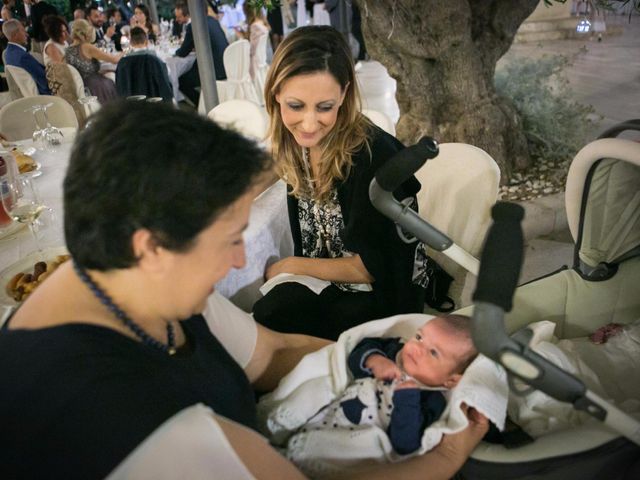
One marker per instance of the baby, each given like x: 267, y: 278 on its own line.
x: 398, y: 388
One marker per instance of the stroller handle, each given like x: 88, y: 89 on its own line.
x: 405, y: 163
x: 502, y: 256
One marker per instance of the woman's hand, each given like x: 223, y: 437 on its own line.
x: 286, y: 265
x: 459, y: 446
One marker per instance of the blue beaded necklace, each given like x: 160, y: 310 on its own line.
x: 169, y: 348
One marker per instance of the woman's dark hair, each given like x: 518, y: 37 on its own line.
x: 147, y: 18
x: 53, y: 27
x: 150, y: 165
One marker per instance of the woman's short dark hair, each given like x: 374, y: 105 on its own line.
x: 149, y: 165
x: 53, y: 27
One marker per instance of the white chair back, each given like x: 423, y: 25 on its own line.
x: 459, y: 187
x: 246, y: 117
x: 381, y: 120
x: 14, y: 89
x: 18, y: 124
x: 78, y: 85
x: 238, y: 84
x: 260, y: 66
x: 24, y: 81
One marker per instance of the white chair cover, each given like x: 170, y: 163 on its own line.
x: 16, y: 124
x: 244, y: 116
x: 189, y: 445
x: 381, y: 120
x: 78, y: 85
x: 260, y: 67
x: 238, y: 84
x: 459, y: 187
x: 14, y: 90
x: 23, y: 80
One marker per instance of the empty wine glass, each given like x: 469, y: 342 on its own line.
x: 22, y: 202
x: 90, y: 103
x: 52, y: 135
x: 39, y: 133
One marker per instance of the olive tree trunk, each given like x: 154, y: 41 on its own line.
x: 443, y: 55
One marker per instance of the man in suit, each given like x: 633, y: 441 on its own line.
x: 17, y: 55
x: 191, y: 79
x: 95, y: 18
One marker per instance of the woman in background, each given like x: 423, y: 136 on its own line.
x: 86, y: 58
x: 142, y: 19
x: 57, y: 30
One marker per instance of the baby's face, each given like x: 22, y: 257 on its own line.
x: 433, y: 354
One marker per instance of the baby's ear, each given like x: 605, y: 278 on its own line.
x: 453, y: 380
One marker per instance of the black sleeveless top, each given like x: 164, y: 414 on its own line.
x: 77, y: 399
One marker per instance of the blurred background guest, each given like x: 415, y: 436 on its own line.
x: 141, y: 18
x: 57, y: 32
x: 39, y: 10
x: 17, y: 55
x: 86, y: 58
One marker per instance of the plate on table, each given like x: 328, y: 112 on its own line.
x: 11, y: 294
x: 35, y: 170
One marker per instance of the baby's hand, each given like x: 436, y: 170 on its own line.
x: 382, y: 368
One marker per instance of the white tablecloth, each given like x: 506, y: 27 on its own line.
x: 16, y: 246
x: 268, y: 237
x: 177, y: 67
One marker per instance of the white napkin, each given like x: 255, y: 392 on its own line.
x: 314, y: 284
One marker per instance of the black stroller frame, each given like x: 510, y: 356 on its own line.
x: 500, y: 265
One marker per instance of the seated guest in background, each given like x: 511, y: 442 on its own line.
x: 39, y: 10
x: 17, y: 55
x: 95, y: 18
x: 191, y: 79
x: 57, y: 31
x: 114, y: 17
x: 86, y: 58
x: 142, y: 19
x: 78, y: 14
x: 141, y: 72
x: 257, y: 27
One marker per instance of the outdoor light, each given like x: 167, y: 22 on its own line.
x: 583, y: 26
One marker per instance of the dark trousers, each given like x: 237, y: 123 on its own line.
x: 188, y: 82
x: 293, y: 308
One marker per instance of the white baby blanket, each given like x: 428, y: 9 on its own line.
x: 610, y: 370
x: 323, y: 375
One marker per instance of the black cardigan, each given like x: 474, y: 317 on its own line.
x: 372, y: 235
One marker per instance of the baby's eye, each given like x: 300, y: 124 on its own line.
x: 418, y: 337
x: 434, y: 353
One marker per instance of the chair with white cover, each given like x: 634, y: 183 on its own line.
x: 459, y: 187
x: 18, y: 123
x: 38, y: 56
x: 245, y: 117
x: 238, y: 84
x: 381, y: 120
x: 14, y: 89
x: 191, y: 444
x: 260, y: 67
x: 23, y: 80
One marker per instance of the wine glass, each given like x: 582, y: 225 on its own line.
x: 90, y: 103
x: 52, y: 135
x: 39, y: 133
x: 22, y: 202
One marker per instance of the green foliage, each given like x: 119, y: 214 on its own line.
x: 556, y: 126
x: 62, y: 6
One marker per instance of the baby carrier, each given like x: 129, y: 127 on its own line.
x: 602, y: 286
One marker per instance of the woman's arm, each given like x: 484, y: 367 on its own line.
x: 54, y: 54
x: 276, y: 354
x: 341, y: 270
x: 91, y: 51
x: 441, y: 463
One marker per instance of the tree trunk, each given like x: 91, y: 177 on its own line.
x: 443, y: 56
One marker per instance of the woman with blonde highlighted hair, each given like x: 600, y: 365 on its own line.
x: 328, y: 153
x: 86, y: 58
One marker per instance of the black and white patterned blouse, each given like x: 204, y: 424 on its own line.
x: 321, y: 226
